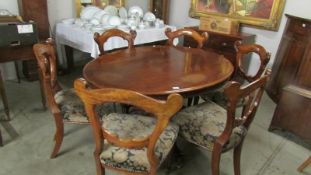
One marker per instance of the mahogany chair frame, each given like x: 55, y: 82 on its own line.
x: 101, y: 39
x: 162, y: 110
x: 46, y: 57
x: 234, y: 92
x: 304, y: 164
x: 200, y: 39
x: 241, y: 50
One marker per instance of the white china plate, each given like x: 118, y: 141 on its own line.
x: 111, y: 10
x: 88, y: 12
x: 136, y: 10
x: 98, y: 15
x: 123, y: 13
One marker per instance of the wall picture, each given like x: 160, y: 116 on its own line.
x: 261, y: 13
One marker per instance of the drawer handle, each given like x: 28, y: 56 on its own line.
x: 15, y: 43
x: 304, y: 25
x: 224, y: 44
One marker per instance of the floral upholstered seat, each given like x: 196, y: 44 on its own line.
x: 134, y: 127
x: 72, y: 108
x: 202, y: 124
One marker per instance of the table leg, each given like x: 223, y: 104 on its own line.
x: 69, y: 61
x: 1, y: 142
x: 69, y: 57
x: 17, y: 73
x: 4, y: 98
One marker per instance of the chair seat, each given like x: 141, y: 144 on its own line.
x: 134, y: 127
x: 204, y: 123
x: 72, y: 108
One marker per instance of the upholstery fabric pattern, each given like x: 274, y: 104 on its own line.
x: 72, y: 108
x: 135, y: 127
x: 204, y: 123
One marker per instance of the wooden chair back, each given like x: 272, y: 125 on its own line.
x: 46, y: 58
x: 252, y: 94
x: 241, y: 50
x: 200, y: 39
x: 101, y: 39
x: 162, y: 110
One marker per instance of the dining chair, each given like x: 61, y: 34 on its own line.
x: 100, y: 39
x: 240, y: 74
x: 65, y: 105
x: 130, y: 143
x: 200, y: 39
x: 217, y: 129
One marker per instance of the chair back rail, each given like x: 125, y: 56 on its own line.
x: 101, y: 39
x: 241, y: 50
x: 200, y: 39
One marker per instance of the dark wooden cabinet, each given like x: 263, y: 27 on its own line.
x: 293, y: 112
x: 223, y: 44
x: 293, y: 60
x: 34, y: 10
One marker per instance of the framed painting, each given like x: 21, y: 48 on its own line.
x: 261, y: 13
x: 99, y: 3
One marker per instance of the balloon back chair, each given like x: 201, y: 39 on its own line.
x: 200, y: 39
x: 65, y: 105
x: 101, y: 39
x: 130, y: 143
x: 218, y: 130
x: 240, y: 73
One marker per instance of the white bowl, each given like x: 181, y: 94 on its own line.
x: 105, y: 19
x: 80, y: 22
x: 136, y: 11
x: 149, y: 16
x: 114, y: 21
x: 94, y: 21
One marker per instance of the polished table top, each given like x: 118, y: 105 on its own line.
x: 159, y: 70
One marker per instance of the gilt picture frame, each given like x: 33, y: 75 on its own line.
x: 260, y: 13
x: 98, y: 3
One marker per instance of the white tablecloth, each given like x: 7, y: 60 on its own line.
x: 82, y: 39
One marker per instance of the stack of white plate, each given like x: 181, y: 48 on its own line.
x: 88, y: 12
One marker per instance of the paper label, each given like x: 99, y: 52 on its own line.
x: 25, y: 28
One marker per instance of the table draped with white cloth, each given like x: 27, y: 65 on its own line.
x: 82, y: 39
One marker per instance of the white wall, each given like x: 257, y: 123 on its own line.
x: 269, y: 39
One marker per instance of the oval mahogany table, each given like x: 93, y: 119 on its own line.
x: 159, y: 70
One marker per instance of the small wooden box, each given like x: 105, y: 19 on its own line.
x: 219, y: 24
